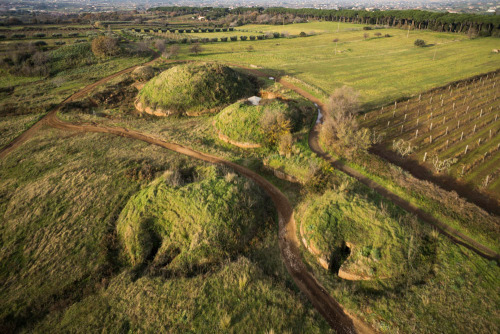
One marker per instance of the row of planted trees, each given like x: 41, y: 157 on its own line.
x: 415, y: 19
x: 485, y: 25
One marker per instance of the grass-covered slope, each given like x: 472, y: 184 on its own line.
x: 194, y: 224
x: 378, y: 235
x: 195, y: 88
x: 61, y: 263
x: 242, y: 121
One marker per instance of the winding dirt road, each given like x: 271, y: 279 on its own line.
x: 455, y: 235
x: 289, y: 244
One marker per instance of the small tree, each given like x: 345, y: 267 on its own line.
x: 340, y: 128
x: 274, y: 126
x: 378, y: 34
x: 366, y: 35
x: 336, y: 41
x: 172, y: 51
x: 302, y: 34
x: 160, y: 45
x: 442, y: 165
x: 403, y: 147
x: 196, y: 49
x: 285, y: 144
x: 105, y: 46
x: 419, y: 43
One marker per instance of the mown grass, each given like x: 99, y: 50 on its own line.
x: 382, y: 69
x: 60, y: 200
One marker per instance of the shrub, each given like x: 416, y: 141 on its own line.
x: 60, y: 43
x: 302, y: 34
x: 419, y: 43
x: 260, y: 37
x: 217, y: 30
x: 378, y: 34
x: 196, y: 49
x: 39, y: 35
x: 57, y: 35
x: 39, y: 43
x: 18, y: 36
x: 234, y: 38
x: 183, y: 40
x: 340, y: 127
x: 224, y: 29
x: 252, y: 38
x: 82, y: 40
x: 180, y: 31
x: 143, y: 73
x: 223, y: 39
x: 2, y: 36
x: 104, y: 46
x: 73, y: 34
x: 276, y: 34
x: 214, y: 39
x: 146, y: 30
x: 205, y: 40
x: 367, y: 28
x: 231, y: 29
x: 387, y: 35
x: 243, y: 38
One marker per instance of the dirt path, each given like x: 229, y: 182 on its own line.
x: 82, y: 92
x: 289, y: 244
x: 445, y: 229
x: 288, y: 241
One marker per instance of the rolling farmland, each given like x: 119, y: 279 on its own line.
x: 451, y: 129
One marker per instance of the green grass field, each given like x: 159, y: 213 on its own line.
x: 382, y: 69
x: 105, y: 234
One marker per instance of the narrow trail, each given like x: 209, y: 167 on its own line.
x: 289, y: 244
x: 82, y: 92
x: 455, y: 235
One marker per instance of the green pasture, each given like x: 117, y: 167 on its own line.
x: 381, y: 68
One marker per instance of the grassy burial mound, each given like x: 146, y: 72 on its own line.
x: 357, y: 237
x: 180, y: 224
x: 267, y: 123
x: 193, y: 89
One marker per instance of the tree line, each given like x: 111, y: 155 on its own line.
x: 484, y: 25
